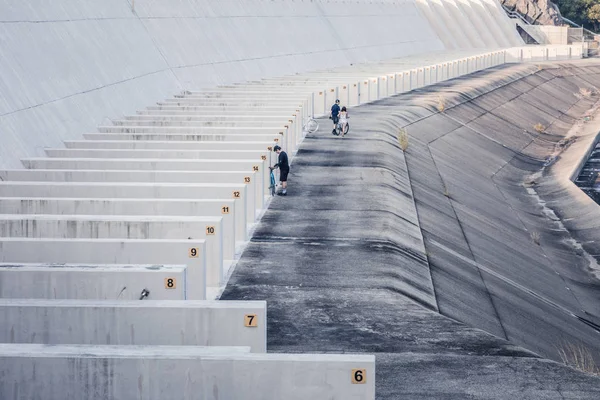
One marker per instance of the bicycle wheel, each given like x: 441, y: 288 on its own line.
x: 273, y: 184
x: 312, y: 126
x: 346, y: 128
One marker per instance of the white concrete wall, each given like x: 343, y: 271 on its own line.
x: 124, y: 227
x: 183, y: 373
x: 113, y: 251
x: 90, y: 282
x: 72, y: 65
x: 168, y: 323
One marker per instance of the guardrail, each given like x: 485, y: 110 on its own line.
x: 378, y: 87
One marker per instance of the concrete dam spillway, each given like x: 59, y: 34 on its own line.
x: 439, y: 250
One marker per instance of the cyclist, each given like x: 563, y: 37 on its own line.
x: 284, y: 169
x: 343, y: 119
x: 334, y: 115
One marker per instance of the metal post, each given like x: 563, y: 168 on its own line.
x: 358, y: 93
x: 312, y: 106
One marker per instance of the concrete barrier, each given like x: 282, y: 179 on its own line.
x: 110, y: 322
x: 216, y: 123
x: 165, y: 145
x: 263, y: 155
x: 191, y: 253
x: 135, y: 190
x: 249, y: 116
x: 183, y: 373
x: 192, y: 137
x: 211, y: 110
x: 124, y: 227
x: 233, y: 152
x: 164, y: 207
x: 209, y: 130
x: 91, y: 282
x: 258, y: 166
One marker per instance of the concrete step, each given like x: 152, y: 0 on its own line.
x: 324, y: 376
x: 182, y: 323
x: 188, y: 252
x: 167, y: 145
x: 91, y: 282
x: 126, y: 227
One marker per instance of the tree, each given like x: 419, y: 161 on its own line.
x: 593, y: 15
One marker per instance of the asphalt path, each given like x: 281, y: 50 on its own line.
x: 426, y: 259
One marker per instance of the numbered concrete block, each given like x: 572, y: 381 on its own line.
x: 233, y: 152
x: 184, y: 373
x: 135, y: 190
x: 213, y: 123
x: 193, y: 137
x: 268, y: 118
x: 215, y: 109
x: 150, y: 322
x: 191, y: 253
x: 165, y: 145
x: 164, y: 207
x: 124, y: 227
x: 211, y: 130
x: 92, y: 282
x: 258, y: 166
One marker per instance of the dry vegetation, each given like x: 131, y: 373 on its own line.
x: 403, y: 139
x: 578, y: 357
x: 529, y: 182
x: 539, y: 128
x: 585, y: 92
x: 535, y: 236
x: 441, y: 104
x: 446, y: 192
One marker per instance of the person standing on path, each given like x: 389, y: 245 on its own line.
x: 335, y: 112
x: 284, y: 169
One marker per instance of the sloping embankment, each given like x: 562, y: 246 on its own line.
x: 371, y: 242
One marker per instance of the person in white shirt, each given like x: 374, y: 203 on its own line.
x: 343, y: 119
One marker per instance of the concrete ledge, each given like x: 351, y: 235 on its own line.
x: 258, y: 166
x: 226, y: 209
x: 191, y: 253
x: 179, y: 373
x: 183, y: 136
x: 123, y: 227
x: 133, y: 190
x: 165, y: 145
x: 91, y: 282
x: 216, y: 123
x: 79, y: 175
x: 180, y: 323
x: 209, y: 130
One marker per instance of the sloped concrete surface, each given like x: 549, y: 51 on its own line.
x: 372, y: 244
x: 72, y: 65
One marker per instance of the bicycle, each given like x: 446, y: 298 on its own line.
x: 338, y: 129
x: 273, y: 186
x: 310, y: 125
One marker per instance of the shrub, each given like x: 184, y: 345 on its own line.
x: 539, y: 128
x: 578, y: 357
x: 441, y: 104
x: 403, y: 139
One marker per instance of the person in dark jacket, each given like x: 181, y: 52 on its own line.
x: 284, y: 169
x: 334, y: 115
